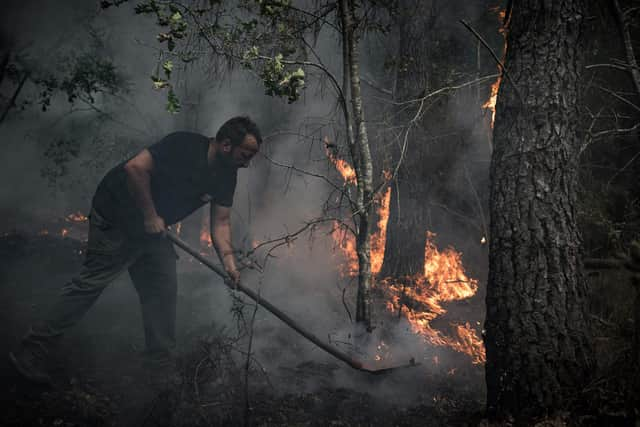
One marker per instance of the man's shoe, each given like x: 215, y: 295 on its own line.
x: 30, y: 364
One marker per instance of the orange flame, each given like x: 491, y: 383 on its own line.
x: 64, y: 232
x: 345, y: 240
x: 493, y: 98
x: 379, y: 238
x: 342, y: 166
x: 490, y: 104
x: 420, y: 299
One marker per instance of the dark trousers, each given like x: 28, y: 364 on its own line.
x: 151, y: 262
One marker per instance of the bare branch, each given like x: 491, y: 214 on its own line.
x: 628, y: 45
x: 502, y: 66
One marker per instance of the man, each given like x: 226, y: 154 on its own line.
x: 131, y: 209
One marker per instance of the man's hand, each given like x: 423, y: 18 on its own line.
x: 154, y: 225
x: 234, y: 278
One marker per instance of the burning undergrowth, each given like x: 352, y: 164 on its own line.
x: 420, y: 299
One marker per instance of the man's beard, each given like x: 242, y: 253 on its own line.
x: 225, y: 160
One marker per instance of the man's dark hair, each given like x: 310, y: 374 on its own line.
x: 236, y: 129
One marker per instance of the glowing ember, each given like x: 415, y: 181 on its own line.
x: 76, y: 217
x: 205, y: 232
x: 43, y: 232
x: 178, y: 228
x: 64, y: 232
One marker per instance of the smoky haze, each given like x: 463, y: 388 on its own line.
x: 271, y: 201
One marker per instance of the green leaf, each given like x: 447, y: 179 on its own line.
x: 167, y: 67
x: 159, y: 83
x: 173, y: 103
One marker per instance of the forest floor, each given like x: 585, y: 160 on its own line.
x: 102, y: 379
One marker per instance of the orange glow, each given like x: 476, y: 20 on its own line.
x: 420, y: 299
x: 342, y: 166
x: 178, y: 228
x: 379, y: 238
x: 345, y: 240
x: 205, y: 232
x: 490, y: 104
x: 43, y: 232
x: 64, y: 232
x: 493, y: 98
x: 76, y: 217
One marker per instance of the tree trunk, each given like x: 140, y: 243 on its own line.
x: 538, y: 351
x: 363, y: 166
x: 404, y: 247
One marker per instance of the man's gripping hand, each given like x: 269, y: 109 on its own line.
x: 234, y: 277
x: 155, y: 225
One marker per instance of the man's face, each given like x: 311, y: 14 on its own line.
x: 239, y: 156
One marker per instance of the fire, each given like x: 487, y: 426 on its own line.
x: 490, y: 104
x: 342, y: 166
x: 76, y: 217
x: 205, y: 232
x: 493, y: 98
x: 341, y: 236
x: 347, y: 244
x: 344, y: 239
x: 379, y: 238
x: 64, y: 232
x: 420, y: 299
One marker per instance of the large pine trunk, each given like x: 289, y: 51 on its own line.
x: 404, y: 246
x: 538, y: 351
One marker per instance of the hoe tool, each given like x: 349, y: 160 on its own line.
x: 353, y: 363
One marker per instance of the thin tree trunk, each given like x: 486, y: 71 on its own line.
x: 363, y: 167
x: 632, y: 64
x: 538, y: 351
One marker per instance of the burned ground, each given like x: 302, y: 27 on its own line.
x: 101, y: 377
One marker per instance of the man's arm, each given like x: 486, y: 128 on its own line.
x: 138, y: 171
x: 221, y: 236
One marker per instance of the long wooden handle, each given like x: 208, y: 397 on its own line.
x: 266, y: 304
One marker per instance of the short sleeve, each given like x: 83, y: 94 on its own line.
x: 173, y: 152
x: 226, y: 189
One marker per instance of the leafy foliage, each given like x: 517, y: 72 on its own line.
x: 273, y: 28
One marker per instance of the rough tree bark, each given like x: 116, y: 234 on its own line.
x: 404, y: 247
x: 538, y: 351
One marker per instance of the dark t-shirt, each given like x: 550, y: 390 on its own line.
x: 181, y: 182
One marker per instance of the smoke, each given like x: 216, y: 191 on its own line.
x: 271, y: 201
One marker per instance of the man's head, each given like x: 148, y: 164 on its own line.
x: 238, y: 141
